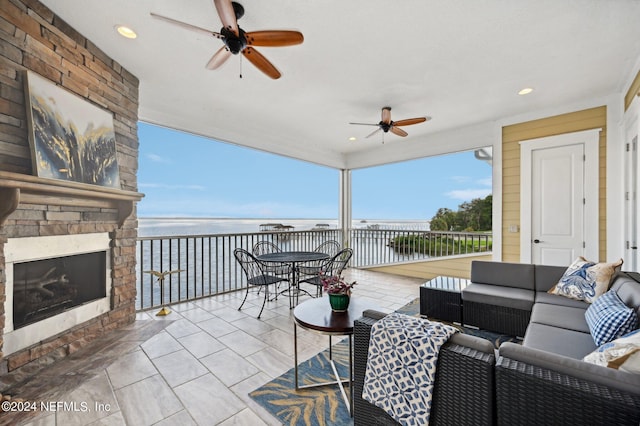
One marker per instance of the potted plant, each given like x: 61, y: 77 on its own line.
x: 339, y: 292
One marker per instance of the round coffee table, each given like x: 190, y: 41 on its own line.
x: 316, y: 315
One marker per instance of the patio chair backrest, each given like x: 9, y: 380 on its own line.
x: 264, y: 247
x: 331, y: 247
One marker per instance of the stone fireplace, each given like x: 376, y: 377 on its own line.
x: 53, y: 299
x: 53, y: 284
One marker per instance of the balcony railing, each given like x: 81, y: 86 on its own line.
x: 203, y: 265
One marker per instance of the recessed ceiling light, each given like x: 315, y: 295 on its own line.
x: 352, y: 138
x: 125, y: 31
x: 525, y: 91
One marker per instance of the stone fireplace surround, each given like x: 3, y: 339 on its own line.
x: 34, y: 209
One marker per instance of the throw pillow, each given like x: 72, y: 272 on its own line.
x: 622, y: 353
x: 609, y: 318
x: 585, y: 280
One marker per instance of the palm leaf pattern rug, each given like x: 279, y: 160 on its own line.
x: 324, y: 405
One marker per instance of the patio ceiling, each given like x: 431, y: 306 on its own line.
x: 460, y: 62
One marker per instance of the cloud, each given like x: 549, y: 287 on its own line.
x: 485, y: 182
x: 468, y: 194
x: 157, y: 158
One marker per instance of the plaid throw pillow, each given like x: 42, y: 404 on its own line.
x: 609, y: 318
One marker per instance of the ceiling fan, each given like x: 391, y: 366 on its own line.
x: 236, y: 40
x: 387, y: 124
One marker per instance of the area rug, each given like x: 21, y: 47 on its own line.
x: 324, y: 405
x: 309, y: 407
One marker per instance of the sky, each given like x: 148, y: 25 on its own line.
x: 184, y: 175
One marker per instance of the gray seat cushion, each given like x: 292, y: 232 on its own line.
x: 518, y: 275
x: 570, y: 343
x: 628, y: 290
x: 516, y: 298
x: 560, y: 316
x: 554, y: 299
x: 547, y: 276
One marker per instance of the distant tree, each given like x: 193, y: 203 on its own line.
x: 474, y: 215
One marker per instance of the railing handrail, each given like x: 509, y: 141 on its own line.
x: 208, y: 267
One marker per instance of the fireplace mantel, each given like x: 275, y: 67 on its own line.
x: 17, y: 188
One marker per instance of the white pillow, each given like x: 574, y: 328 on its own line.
x: 622, y: 353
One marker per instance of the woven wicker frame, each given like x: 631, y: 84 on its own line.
x: 464, y: 390
x: 531, y: 395
x: 500, y: 319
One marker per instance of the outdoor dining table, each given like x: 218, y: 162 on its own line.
x: 293, y: 258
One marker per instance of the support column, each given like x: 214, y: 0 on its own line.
x: 344, y: 218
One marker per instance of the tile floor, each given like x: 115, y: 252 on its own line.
x: 195, y: 366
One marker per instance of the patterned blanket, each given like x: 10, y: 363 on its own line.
x: 401, y: 366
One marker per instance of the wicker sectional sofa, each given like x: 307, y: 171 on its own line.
x: 541, y: 381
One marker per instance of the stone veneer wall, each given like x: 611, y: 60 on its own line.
x: 33, y: 38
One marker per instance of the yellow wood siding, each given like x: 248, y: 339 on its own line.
x: 511, y: 136
x: 634, y: 90
x: 456, y: 267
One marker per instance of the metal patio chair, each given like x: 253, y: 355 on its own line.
x: 311, y: 269
x: 256, y: 274
x: 332, y: 266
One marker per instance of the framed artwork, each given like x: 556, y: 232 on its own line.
x: 70, y: 138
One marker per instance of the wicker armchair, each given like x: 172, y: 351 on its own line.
x: 464, y: 392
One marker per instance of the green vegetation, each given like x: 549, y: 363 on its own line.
x: 435, y: 244
x: 473, y: 219
x: 474, y: 215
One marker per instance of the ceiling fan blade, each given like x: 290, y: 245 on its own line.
x: 365, y: 124
x: 187, y: 26
x: 374, y: 132
x: 270, y: 38
x: 398, y: 131
x: 386, y: 115
x: 219, y: 58
x: 261, y: 62
x: 227, y: 15
x: 410, y: 121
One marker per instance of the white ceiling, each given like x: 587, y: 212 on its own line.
x: 461, y: 62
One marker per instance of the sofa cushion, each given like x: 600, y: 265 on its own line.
x: 570, y: 343
x: 516, y: 298
x: 628, y: 290
x: 552, y: 299
x: 622, y: 354
x: 585, y: 280
x: 609, y: 318
x: 560, y: 316
x: 516, y: 275
x: 546, y: 276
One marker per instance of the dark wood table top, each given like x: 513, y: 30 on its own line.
x: 316, y: 314
x: 293, y: 256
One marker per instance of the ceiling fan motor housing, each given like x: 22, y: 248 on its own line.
x: 234, y: 43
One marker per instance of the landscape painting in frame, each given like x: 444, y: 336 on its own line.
x: 71, y: 139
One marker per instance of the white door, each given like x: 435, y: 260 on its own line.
x: 560, y: 185
x: 557, y: 193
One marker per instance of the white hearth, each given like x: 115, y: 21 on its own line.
x: 18, y: 250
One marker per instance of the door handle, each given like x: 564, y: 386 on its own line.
x: 537, y: 241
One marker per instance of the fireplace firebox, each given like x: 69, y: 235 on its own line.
x: 44, y: 288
